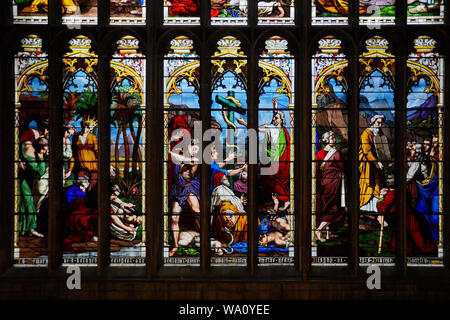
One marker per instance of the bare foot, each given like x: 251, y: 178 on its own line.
x: 385, y: 224
x: 34, y: 233
x: 318, y: 235
x: 286, y: 205
x: 173, y: 251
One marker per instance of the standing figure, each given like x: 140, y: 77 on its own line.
x: 427, y: 205
x: 69, y: 131
x: 184, y: 190
x: 34, y: 168
x: 330, y: 199
x: 275, y: 178
x: 86, y: 152
x: 370, y: 168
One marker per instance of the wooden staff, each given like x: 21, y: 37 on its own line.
x: 380, y: 241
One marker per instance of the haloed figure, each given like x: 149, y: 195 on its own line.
x: 86, y: 152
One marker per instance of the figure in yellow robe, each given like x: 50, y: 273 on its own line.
x: 68, y: 6
x: 371, y: 177
x: 336, y: 6
x: 227, y: 215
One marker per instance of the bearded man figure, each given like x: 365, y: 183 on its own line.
x: 228, y: 212
x: 370, y: 168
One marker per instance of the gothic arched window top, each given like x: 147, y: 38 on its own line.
x: 181, y: 73
x: 277, y: 64
x: 128, y: 64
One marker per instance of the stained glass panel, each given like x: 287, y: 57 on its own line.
x: 181, y: 172
x: 326, y: 12
x: 426, y: 11
x: 75, y: 12
x: 80, y: 153
x: 229, y: 12
x: 276, y: 154
x: 127, y: 12
x: 228, y: 154
x: 181, y: 12
x: 376, y: 12
x: 30, y: 11
x: 425, y: 185
x: 329, y: 154
x: 276, y: 12
x: 376, y: 153
x: 31, y: 154
x: 128, y: 149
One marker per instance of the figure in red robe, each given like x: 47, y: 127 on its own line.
x: 275, y: 168
x: 184, y: 8
x: 330, y: 194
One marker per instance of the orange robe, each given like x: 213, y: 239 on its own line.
x: 336, y: 6
x: 238, y: 227
x: 370, y: 179
x: 86, y: 154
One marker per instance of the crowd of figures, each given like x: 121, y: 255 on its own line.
x: 191, y: 8
x: 377, y: 188
x: 80, y: 176
x: 228, y: 189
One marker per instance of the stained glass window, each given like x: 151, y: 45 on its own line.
x: 228, y: 153
x: 80, y: 152
x: 31, y: 153
x: 425, y: 184
x: 76, y: 12
x: 128, y: 150
x: 276, y: 153
x: 181, y: 172
x: 30, y: 11
x: 181, y: 12
x: 276, y: 12
x: 329, y: 153
x: 127, y: 11
x: 330, y: 167
x: 376, y: 153
x: 376, y: 12
x: 426, y: 11
x: 325, y: 12
x: 229, y: 12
